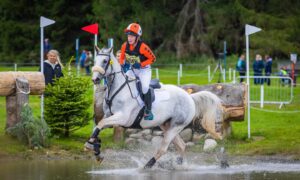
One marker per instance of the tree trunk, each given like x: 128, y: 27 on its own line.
x: 8, y: 82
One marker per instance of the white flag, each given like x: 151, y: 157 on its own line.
x: 251, y: 29
x: 45, y: 21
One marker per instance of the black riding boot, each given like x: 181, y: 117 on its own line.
x: 148, y: 103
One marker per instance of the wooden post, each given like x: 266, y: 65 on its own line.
x: 11, y: 109
x: 22, y: 93
x: 16, y: 101
x: 118, y: 134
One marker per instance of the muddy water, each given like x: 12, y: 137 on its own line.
x: 125, y: 165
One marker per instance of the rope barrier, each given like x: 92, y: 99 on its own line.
x: 271, y: 111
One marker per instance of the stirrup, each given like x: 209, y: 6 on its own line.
x: 148, y: 115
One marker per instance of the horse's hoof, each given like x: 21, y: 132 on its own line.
x: 224, y: 164
x: 150, y: 163
x: 179, y: 160
x: 99, y: 158
x: 88, y: 146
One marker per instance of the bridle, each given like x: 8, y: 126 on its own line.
x: 108, y: 98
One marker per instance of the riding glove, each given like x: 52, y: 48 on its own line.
x: 137, y: 65
x: 125, y: 67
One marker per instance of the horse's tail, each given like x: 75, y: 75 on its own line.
x: 208, y: 113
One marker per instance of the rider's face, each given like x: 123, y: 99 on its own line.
x: 131, y: 39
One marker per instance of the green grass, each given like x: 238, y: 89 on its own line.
x: 272, y: 133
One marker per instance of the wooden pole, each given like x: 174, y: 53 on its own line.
x: 15, y: 102
x: 11, y: 109
x: 22, y: 93
x: 8, y: 82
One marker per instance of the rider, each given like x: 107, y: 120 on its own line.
x: 140, y: 57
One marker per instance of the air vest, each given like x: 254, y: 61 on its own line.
x: 136, y: 51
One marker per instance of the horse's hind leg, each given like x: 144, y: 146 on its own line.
x: 169, y: 135
x: 178, y: 142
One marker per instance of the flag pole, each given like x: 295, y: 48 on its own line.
x: 43, y: 23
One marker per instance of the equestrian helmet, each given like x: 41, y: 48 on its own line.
x: 133, y: 29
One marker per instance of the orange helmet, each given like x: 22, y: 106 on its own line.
x: 134, y: 29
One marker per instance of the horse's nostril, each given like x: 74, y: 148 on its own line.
x: 96, y: 81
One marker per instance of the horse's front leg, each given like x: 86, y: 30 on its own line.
x: 94, y: 143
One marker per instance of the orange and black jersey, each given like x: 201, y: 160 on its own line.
x: 141, y: 50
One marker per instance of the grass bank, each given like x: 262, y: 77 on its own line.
x: 274, y: 131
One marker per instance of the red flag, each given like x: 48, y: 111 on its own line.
x: 93, y: 28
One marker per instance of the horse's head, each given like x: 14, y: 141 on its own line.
x: 104, y: 63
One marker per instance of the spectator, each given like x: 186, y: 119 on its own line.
x: 52, y: 67
x: 82, y: 59
x: 283, y: 73
x: 241, y: 67
x: 258, y: 67
x: 268, y: 69
x: 47, y: 47
x: 88, y: 62
x: 126, y: 65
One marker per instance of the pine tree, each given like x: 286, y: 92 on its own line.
x: 67, y: 103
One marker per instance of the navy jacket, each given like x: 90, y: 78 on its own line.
x: 268, y: 68
x: 258, y: 66
x: 50, y: 73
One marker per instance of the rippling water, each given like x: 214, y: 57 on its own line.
x: 129, y: 165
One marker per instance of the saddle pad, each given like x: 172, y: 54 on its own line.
x: 160, y: 95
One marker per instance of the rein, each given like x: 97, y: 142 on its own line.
x: 108, y: 100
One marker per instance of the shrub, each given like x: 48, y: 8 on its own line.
x: 67, y: 103
x: 31, y: 131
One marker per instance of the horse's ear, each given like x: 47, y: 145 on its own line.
x: 97, y: 49
x: 111, y: 49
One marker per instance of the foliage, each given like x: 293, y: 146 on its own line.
x: 29, y: 130
x: 66, y: 104
x: 20, y: 31
x: 162, y: 22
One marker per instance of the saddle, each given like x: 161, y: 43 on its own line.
x: 154, y: 84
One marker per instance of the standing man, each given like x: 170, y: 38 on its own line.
x: 47, y: 47
x: 268, y: 69
x: 241, y: 67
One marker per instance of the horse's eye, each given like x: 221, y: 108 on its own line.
x: 105, y: 61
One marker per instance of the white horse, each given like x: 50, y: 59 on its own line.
x: 173, y: 107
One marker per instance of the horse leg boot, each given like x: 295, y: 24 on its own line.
x: 148, y: 103
x: 94, y: 144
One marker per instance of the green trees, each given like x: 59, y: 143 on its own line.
x: 183, y: 28
x: 20, y: 31
x: 67, y: 103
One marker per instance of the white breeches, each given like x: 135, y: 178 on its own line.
x: 145, y: 76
